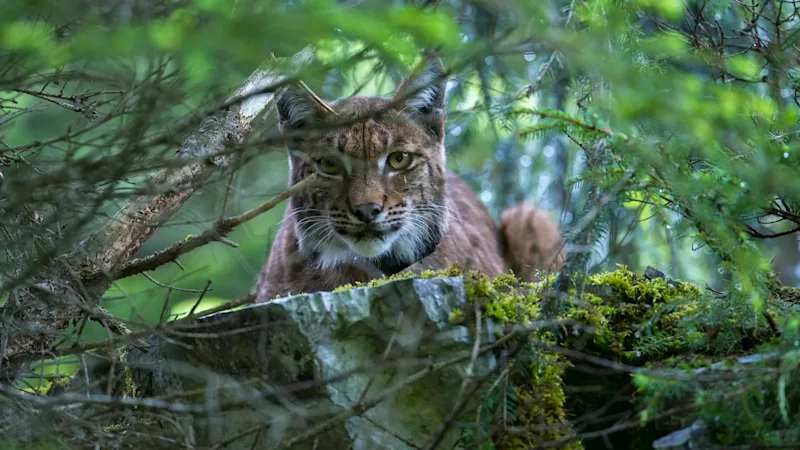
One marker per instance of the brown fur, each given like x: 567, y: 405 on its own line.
x: 532, y: 241
x: 429, y: 219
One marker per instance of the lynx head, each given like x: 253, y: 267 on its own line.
x: 380, y: 195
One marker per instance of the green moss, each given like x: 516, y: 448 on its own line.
x: 788, y: 292
x: 535, y: 389
x: 451, y: 272
x: 630, y: 316
x: 115, y: 428
x: 638, y: 318
x: 536, y: 384
x: 456, y: 316
x: 130, y: 389
x: 627, y: 317
x: 53, y: 386
x: 504, y: 298
x: 540, y: 410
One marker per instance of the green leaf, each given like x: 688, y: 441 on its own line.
x: 23, y: 35
x: 744, y: 66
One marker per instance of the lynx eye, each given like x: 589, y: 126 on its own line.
x: 399, y: 160
x: 328, y: 166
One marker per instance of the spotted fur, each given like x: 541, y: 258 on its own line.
x: 429, y: 218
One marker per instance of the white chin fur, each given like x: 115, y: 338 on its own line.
x: 344, y: 250
x: 370, y: 248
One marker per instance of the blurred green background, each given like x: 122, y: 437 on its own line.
x: 626, y: 66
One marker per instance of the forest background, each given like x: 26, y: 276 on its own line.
x: 659, y: 133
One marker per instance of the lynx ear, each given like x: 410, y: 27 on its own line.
x: 296, y: 108
x: 423, y: 94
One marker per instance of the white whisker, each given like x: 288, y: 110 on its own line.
x: 298, y: 211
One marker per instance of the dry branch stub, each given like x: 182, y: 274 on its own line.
x: 138, y: 220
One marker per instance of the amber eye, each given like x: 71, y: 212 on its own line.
x: 328, y: 166
x: 399, y: 160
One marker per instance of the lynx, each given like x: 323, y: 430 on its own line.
x: 383, y: 201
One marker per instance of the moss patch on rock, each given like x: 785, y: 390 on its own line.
x: 525, y: 404
x: 639, y: 320
x: 626, y: 317
x: 639, y: 317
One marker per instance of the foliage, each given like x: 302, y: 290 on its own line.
x: 662, y: 133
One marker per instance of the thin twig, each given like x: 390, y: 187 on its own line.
x: 217, y: 233
x: 200, y: 298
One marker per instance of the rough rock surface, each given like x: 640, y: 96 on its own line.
x: 689, y: 438
x: 313, y: 337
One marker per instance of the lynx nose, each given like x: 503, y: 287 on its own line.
x: 366, y: 212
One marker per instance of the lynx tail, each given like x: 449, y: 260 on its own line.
x: 531, y: 241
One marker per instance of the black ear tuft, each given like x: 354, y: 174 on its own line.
x: 423, y: 94
x: 296, y: 108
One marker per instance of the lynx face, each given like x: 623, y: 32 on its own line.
x: 380, y: 195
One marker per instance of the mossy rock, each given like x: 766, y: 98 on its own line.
x: 530, y: 407
x: 623, y: 317
x: 641, y: 320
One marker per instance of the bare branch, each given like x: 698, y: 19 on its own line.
x: 217, y: 233
x: 44, y: 312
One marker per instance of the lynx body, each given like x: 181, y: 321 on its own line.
x: 383, y: 201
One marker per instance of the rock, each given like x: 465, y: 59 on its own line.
x: 651, y: 273
x: 740, y: 362
x: 693, y: 437
x: 301, y: 341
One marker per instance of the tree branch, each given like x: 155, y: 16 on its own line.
x: 32, y: 319
x: 217, y: 233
